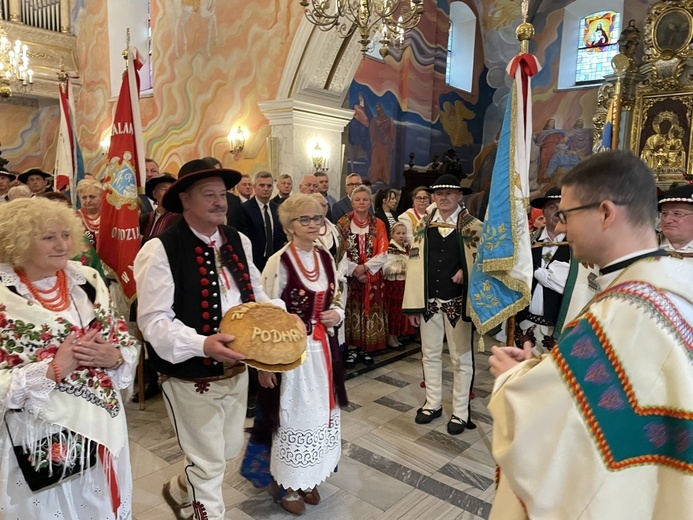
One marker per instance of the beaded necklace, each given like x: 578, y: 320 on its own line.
x: 312, y: 275
x: 59, y: 302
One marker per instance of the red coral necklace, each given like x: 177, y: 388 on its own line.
x: 313, y: 274
x: 360, y: 223
x: 59, y: 302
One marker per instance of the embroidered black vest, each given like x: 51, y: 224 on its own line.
x: 197, y: 296
x: 443, y: 262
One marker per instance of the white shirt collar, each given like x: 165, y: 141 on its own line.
x: 452, y: 219
x: 544, y: 236
x: 666, y: 245
x: 216, y: 237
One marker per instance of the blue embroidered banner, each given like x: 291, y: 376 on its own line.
x: 501, y: 278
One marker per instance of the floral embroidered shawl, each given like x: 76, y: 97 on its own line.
x: 85, y: 402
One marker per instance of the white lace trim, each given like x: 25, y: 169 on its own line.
x: 307, y: 448
x: 122, y: 378
x: 9, y: 278
x: 30, y: 388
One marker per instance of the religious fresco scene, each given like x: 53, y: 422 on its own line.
x: 389, y: 370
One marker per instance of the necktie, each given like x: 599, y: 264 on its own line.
x: 268, y: 234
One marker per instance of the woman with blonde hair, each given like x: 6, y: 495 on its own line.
x: 89, y: 192
x: 64, y: 360
x: 298, y: 410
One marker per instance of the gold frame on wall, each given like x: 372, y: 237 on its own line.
x: 662, y: 134
x: 666, y: 42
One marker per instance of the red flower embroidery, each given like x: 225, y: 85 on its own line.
x: 46, y: 353
x: 104, y: 380
x: 46, y: 336
x: 57, y: 453
x: 3, y: 320
x: 201, y: 387
x: 13, y: 360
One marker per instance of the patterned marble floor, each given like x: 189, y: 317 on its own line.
x: 391, y: 468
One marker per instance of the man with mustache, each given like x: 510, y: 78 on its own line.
x: 187, y: 278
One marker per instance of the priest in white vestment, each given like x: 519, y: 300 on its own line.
x: 602, y: 427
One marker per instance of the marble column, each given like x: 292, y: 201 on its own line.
x: 296, y: 126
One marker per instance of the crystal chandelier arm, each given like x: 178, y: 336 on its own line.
x: 389, y: 17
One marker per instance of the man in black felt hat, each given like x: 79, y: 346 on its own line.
x: 5, y: 179
x: 436, y: 288
x: 676, y: 220
x: 36, y: 180
x: 187, y: 278
x: 156, y: 222
x: 551, y: 265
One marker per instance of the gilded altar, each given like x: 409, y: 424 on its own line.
x: 661, y: 131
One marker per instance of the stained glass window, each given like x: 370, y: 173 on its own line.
x: 597, y: 44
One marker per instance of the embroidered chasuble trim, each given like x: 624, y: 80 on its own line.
x: 656, y: 304
x: 603, y: 394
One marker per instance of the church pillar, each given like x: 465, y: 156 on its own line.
x: 297, y: 125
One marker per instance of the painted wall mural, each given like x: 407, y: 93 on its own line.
x: 213, y: 61
x: 419, y: 113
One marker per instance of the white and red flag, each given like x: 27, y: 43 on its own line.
x: 119, y: 233
x: 69, y: 165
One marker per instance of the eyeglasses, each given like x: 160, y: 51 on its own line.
x: 674, y: 215
x: 562, y: 214
x: 306, y: 220
x: 422, y: 199
x: 353, y: 184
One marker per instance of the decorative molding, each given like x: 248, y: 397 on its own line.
x: 47, y: 51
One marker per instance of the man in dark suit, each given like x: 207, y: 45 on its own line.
x: 284, y: 186
x: 343, y: 205
x: 260, y: 221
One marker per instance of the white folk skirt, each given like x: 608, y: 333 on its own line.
x: 307, y: 446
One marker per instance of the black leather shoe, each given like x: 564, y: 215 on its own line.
x: 456, y: 425
x: 365, y: 357
x: 350, y: 359
x: 426, y: 415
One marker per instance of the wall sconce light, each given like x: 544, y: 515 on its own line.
x: 319, y: 159
x: 105, y: 144
x: 236, y: 140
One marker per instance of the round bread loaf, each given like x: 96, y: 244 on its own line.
x: 264, y: 333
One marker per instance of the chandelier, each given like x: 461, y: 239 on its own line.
x: 14, y: 67
x: 378, y: 21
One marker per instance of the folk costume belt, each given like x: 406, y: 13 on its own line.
x: 229, y: 372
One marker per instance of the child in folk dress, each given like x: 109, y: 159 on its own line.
x: 395, y: 271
